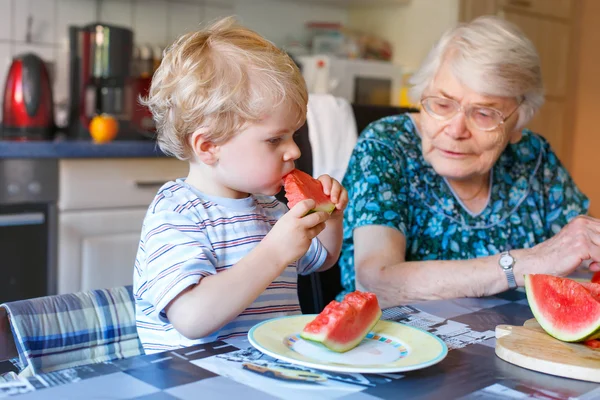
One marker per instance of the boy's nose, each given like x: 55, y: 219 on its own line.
x: 293, y: 153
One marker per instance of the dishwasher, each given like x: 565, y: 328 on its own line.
x: 28, y: 228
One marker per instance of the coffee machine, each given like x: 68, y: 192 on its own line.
x: 99, y: 65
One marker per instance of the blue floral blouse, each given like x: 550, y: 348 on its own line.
x: 389, y: 183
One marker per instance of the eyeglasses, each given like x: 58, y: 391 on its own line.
x: 482, y: 118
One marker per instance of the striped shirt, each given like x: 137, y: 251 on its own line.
x: 187, y: 236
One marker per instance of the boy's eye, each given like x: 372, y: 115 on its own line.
x: 274, y: 140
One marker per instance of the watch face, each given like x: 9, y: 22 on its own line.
x: 506, y: 261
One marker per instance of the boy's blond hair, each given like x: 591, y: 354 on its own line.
x: 218, y: 79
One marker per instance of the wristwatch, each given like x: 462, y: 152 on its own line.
x: 507, y: 263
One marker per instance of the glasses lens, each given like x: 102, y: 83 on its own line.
x: 485, y: 118
x: 440, y: 108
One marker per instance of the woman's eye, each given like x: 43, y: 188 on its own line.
x: 483, y: 114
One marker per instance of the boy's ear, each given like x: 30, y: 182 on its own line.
x: 205, y: 150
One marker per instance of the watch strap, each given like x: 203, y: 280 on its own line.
x: 510, y: 277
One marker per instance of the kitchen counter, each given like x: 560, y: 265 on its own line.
x: 80, y: 149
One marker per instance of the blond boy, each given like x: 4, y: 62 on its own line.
x: 218, y: 253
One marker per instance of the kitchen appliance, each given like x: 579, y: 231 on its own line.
x: 99, y: 65
x: 366, y: 82
x: 529, y: 346
x: 145, y: 62
x: 28, y: 105
x: 28, y: 228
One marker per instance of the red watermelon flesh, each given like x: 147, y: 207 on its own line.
x: 593, y: 288
x: 342, y: 326
x: 596, y: 277
x: 565, y: 308
x: 300, y: 186
x: 593, y: 344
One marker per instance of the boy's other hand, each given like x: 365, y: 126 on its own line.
x: 291, y: 236
x: 336, y: 192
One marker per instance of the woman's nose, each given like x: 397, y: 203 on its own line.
x: 457, y: 126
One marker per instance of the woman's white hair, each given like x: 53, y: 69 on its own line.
x: 490, y: 56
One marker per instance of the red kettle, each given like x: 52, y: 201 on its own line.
x: 28, y: 109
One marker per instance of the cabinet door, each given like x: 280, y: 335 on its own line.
x: 97, y: 248
x: 552, y: 40
x: 547, y: 8
x: 471, y: 9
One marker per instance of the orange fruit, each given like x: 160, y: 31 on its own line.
x: 103, y: 128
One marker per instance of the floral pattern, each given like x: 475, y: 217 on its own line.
x: 390, y: 184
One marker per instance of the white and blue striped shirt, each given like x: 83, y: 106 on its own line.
x: 188, y: 235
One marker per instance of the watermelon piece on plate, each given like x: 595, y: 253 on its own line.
x: 342, y: 326
x: 300, y: 186
x: 593, y: 344
x: 565, y: 308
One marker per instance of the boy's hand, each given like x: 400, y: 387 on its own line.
x: 291, y: 236
x: 336, y: 192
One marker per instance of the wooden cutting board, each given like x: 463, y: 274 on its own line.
x: 529, y: 346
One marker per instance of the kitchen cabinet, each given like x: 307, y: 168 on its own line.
x: 550, y: 25
x: 360, y: 3
x: 102, y: 203
x: 97, y: 248
x: 545, y: 8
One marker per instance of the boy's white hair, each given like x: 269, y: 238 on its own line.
x: 490, y: 56
x: 218, y: 79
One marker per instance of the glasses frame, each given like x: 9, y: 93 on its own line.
x: 462, y: 109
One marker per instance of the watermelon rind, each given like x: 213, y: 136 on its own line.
x: 328, y: 208
x: 539, y: 292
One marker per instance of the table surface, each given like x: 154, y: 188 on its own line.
x: 471, y: 369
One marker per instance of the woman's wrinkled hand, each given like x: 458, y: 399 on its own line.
x: 577, y: 242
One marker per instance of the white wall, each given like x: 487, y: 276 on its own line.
x: 412, y: 28
x: 156, y: 22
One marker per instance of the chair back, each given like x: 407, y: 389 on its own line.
x: 62, y: 331
x: 8, y: 349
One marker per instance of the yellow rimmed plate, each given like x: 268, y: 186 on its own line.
x: 389, y: 347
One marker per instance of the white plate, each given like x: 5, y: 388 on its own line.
x: 389, y: 347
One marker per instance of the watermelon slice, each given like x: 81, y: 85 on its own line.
x: 342, y: 326
x: 300, y: 186
x: 565, y: 308
x: 593, y: 288
x: 593, y: 344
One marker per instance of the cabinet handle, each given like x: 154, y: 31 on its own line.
x: 149, y: 184
x: 520, y: 3
x: 22, y: 219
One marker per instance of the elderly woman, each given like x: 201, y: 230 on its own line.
x: 459, y: 200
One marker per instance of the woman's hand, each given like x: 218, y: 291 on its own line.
x: 560, y: 255
x: 336, y: 192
